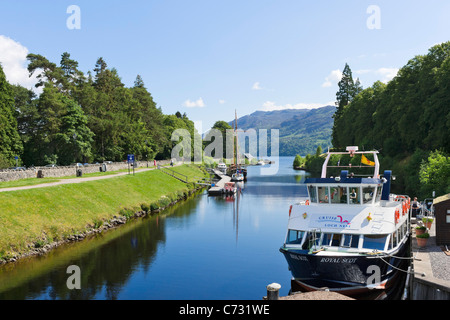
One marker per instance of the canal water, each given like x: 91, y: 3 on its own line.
x: 205, y: 248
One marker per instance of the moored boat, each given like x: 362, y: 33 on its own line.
x: 222, y: 167
x: 351, y: 235
x: 230, y: 188
x: 237, y: 176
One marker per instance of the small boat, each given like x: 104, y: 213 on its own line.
x: 222, y: 167
x: 230, y: 188
x: 350, y: 235
x: 237, y: 176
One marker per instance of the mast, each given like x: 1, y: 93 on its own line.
x: 237, y: 145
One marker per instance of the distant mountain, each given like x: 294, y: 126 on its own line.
x: 301, y: 130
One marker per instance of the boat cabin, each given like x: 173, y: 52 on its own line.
x: 348, y: 214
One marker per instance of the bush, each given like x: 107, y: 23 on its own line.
x: 145, y: 207
x: 128, y: 213
x: 154, y: 206
x: 425, y: 235
x: 164, y: 202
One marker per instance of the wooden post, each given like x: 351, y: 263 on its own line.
x: 273, y: 291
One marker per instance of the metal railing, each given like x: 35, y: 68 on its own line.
x: 175, y: 174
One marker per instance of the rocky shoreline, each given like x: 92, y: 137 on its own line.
x: 113, y: 223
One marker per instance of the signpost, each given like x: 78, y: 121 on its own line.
x: 131, y: 160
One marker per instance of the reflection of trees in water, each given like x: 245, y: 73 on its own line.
x: 106, y: 268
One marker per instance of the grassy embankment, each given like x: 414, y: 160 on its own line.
x: 35, y: 217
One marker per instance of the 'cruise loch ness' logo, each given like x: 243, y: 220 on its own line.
x: 333, y: 221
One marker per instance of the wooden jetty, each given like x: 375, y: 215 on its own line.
x: 218, y: 188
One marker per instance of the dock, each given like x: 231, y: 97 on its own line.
x: 218, y: 188
x: 431, y: 270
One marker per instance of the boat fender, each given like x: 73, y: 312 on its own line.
x: 397, y: 215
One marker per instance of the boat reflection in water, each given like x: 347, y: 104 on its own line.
x: 350, y: 235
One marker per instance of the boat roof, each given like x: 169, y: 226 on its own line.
x: 343, y: 181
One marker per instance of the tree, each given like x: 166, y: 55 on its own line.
x: 222, y: 127
x: 347, y: 90
x: 298, y: 161
x: 358, y: 87
x: 10, y: 143
x: 435, y: 174
x: 49, y: 72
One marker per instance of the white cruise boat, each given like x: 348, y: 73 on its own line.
x: 351, y: 235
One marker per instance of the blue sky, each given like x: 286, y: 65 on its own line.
x: 209, y: 58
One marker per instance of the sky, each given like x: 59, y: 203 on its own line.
x: 211, y: 58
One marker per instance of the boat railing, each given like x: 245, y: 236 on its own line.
x: 352, y: 151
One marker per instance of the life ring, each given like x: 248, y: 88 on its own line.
x: 397, y: 215
x: 404, y: 208
x: 307, y: 202
x: 290, y: 210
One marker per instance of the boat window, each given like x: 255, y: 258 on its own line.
x: 312, y: 193
x: 354, y: 196
x: 294, y: 237
x: 378, y: 198
x: 312, y: 238
x: 317, y: 239
x: 368, y: 194
x: 323, y: 194
x: 374, y: 241
x: 308, y: 241
x: 327, y: 239
x: 350, y: 241
x: 343, y: 194
x: 335, y: 194
x: 394, y: 237
x: 336, y: 240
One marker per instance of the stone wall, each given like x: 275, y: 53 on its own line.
x: 11, y: 175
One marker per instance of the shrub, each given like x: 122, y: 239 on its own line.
x: 154, y: 206
x: 425, y: 235
x: 97, y: 223
x: 145, y: 207
x: 164, y: 202
x: 128, y: 213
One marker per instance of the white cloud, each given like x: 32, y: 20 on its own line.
x: 272, y: 106
x: 256, y: 86
x: 333, y: 78
x: 194, y: 104
x: 387, y: 73
x: 13, y: 58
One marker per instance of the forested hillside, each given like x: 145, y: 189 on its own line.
x: 81, y: 117
x: 301, y: 130
x: 407, y: 120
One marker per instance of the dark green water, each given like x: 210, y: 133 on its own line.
x: 203, y: 248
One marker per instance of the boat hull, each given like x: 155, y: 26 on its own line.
x: 354, y: 276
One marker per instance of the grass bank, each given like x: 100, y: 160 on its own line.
x: 33, y: 218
